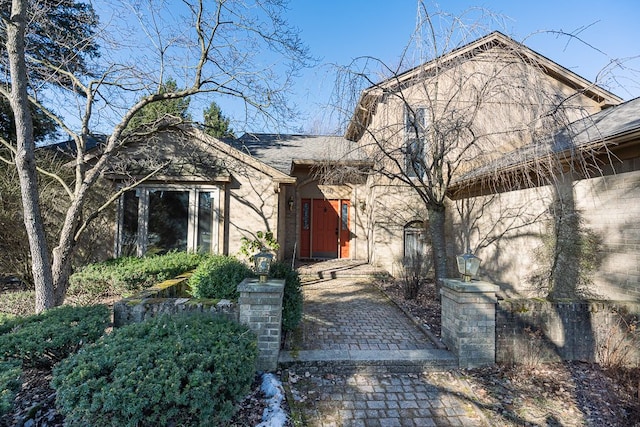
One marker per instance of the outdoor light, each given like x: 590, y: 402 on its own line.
x: 468, y: 265
x: 262, y: 261
x: 291, y: 202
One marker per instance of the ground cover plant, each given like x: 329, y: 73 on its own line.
x: 218, y: 277
x: 44, y: 339
x: 17, y: 303
x: 10, y: 372
x: 127, y: 275
x: 181, y: 370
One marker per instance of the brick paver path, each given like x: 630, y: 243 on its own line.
x: 351, y: 314
x: 377, y: 400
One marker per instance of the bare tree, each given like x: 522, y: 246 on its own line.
x: 472, y: 97
x: 208, y: 47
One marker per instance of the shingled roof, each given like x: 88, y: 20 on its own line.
x: 282, y: 152
x: 609, y: 129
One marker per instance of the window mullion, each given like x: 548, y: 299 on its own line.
x: 143, y: 221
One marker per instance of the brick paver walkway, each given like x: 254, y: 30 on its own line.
x: 350, y: 315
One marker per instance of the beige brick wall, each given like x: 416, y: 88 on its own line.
x: 509, y: 226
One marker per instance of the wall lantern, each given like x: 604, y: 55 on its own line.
x: 291, y: 203
x: 468, y: 265
x: 262, y: 262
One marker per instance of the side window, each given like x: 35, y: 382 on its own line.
x: 415, y: 121
x: 306, y: 215
x: 414, y: 157
x: 344, y: 215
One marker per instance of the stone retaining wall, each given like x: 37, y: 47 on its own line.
x: 168, y: 298
x: 531, y: 331
x: 259, y: 308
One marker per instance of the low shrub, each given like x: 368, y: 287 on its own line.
x: 218, y: 277
x: 10, y: 372
x: 292, y: 299
x: 18, y: 303
x: 181, y: 370
x: 127, y: 275
x: 44, y: 339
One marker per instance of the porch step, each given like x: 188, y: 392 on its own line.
x: 368, y: 361
x: 335, y: 269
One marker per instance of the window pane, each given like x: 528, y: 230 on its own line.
x: 306, y: 217
x: 129, y: 224
x: 205, y: 222
x: 345, y: 216
x: 168, y: 221
x: 415, y: 158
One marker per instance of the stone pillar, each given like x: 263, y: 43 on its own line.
x: 260, y: 307
x: 469, y: 321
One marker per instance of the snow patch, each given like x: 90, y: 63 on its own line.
x: 273, y: 415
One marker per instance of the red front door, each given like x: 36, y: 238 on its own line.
x: 325, y: 228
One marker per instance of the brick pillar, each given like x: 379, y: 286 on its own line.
x: 469, y: 321
x: 260, y: 307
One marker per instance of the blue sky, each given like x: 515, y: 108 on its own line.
x: 337, y: 31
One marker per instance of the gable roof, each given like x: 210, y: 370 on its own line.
x: 192, y: 164
x: 372, y: 95
x: 283, y: 152
x: 611, y: 131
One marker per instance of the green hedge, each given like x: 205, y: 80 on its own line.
x: 46, y: 338
x: 127, y: 275
x: 218, y: 277
x: 292, y: 299
x: 10, y: 372
x: 184, y: 370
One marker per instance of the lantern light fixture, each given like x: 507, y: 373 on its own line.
x: 468, y: 265
x: 262, y: 263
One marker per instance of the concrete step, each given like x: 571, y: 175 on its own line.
x: 339, y: 269
x: 369, y: 361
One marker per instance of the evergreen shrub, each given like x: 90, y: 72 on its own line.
x: 292, y: 299
x: 44, y: 339
x: 218, y: 277
x: 10, y: 372
x: 127, y: 275
x: 180, y: 370
x: 18, y: 303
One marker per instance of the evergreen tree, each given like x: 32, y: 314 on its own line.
x: 151, y: 113
x: 215, y: 124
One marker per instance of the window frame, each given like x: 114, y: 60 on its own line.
x: 143, y: 191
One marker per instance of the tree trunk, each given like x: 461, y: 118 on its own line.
x: 25, y: 157
x: 438, y: 242
x: 63, y: 253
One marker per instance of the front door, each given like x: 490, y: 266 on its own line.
x: 325, y: 228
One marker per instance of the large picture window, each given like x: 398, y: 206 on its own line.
x: 155, y: 220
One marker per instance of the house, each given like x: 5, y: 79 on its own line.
x: 206, y: 194
x: 522, y: 152
x: 507, y: 118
